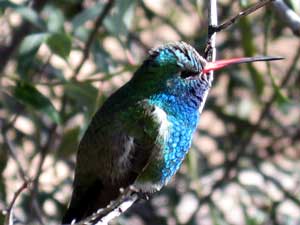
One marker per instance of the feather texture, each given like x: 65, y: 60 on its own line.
x: 142, y: 133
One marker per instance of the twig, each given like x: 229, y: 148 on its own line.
x: 11, y: 148
x: 241, y: 14
x: 242, y: 146
x: 44, y: 151
x: 212, y: 22
x: 286, y: 193
x: 210, y: 51
x: 288, y: 16
x: 86, y: 49
x: 9, y: 211
x: 115, y: 209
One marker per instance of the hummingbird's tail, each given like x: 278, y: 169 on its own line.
x: 85, y: 202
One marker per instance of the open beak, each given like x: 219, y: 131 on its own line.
x: 219, y: 64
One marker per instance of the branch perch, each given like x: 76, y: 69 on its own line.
x: 240, y: 15
x: 127, y: 198
x: 9, y: 211
x: 288, y: 16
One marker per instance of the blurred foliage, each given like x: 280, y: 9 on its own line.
x: 60, y: 61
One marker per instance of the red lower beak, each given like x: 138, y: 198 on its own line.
x: 219, y: 64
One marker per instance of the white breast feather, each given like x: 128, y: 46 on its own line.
x: 162, y: 119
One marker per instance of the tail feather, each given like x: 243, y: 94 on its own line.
x: 86, y: 202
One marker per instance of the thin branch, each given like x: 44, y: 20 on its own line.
x: 34, y: 191
x: 88, y: 44
x: 271, y: 179
x: 9, y: 211
x: 288, y: 16
x: 242, y: 146
x: 241, y: 14
x: 11, y: 149
x: 115, y: 209
x: 212, y: 22
x: 210, y: 51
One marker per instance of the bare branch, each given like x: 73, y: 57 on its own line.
x: 241, y: 14
x: 288, y: 16
x: 212, y: 22
x: 11, y: 148
x: 34, y: 191
x: 113, y: 210
x: 98, y: 23
x: 9, y: 211
x: 243, y: 145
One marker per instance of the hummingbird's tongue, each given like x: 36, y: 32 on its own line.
x: 219, y: 64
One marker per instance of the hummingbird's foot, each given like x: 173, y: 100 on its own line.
x: 143, y: 195
x: 140, y: 194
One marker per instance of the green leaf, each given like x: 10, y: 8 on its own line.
x: 248, y: 218
x: 27, y: 52
x: 249, y: 50
x: 216, y: 217
x: 86, y: 15
x: 280, y: 97
x: 119, y: 23
x: 103, y: 59
x: 60, y: 44
x: 30, y: 96
x: 257, y: 79
x: 244, y: 3
x: 192, y: 163
x: 55, y: 23
x: 32, y: 42
x: 69, y: 142
x: 85, y: 95
x: 295, y: 5
x: 26, y: 12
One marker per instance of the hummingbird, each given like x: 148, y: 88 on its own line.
x: 141, y: 134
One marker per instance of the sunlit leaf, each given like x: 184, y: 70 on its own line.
x: 26, y: 12
x: 244, y: 3
x: 119, y: 23
x: 55, y: 23
x: 32, y: 42
x: 87, y: 14
x: 295, y: 5
x: 30, y: 96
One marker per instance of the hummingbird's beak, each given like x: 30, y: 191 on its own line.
x: 219, y: 64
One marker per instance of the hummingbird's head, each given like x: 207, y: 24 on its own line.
x: 182, y: 60
x: 177, y: 69
x: 178, y: 60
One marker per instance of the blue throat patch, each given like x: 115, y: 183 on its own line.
x: 182, y: 115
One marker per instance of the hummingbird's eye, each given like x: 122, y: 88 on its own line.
x: 186, y: 73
